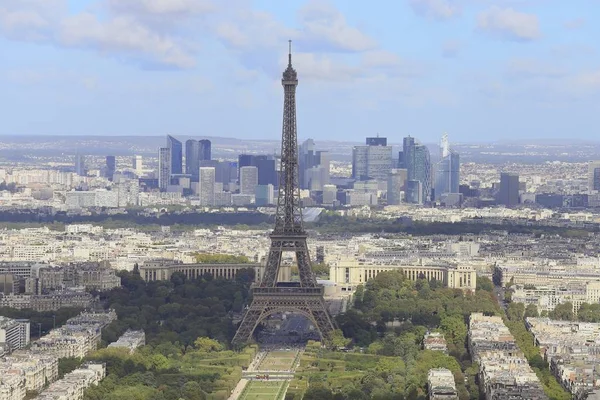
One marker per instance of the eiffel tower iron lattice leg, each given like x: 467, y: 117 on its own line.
x: 307, y: 302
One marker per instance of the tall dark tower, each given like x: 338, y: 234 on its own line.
x: 270, y: 296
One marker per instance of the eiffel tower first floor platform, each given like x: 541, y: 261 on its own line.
x: 273, y: 300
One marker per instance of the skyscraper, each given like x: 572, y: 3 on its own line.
x: 248, y: 180
x: 224, y: 171
x: 422, y: 170
x: 196, y: 151
x: 80, y: 165
x: 447, y: 177
x: 373, y: 161
x: 313, y: 166
x: 509, y: 189
x: 329, y: 194
x: 414, y: 192
x: 111, y: 167
x: 246, y: 160
x: 265, y: 195
x: 396, y: 185
x: 137, y: 165
x: 594, y: 175
x: 267, y: 175
x: 376, y: 141
x: 206, y: 186
x: 306, y: 160
x: 192, y: 159
x: 360, y: 162
x: 265, y: 164
x: 176, y: 156
x: 164, y: 168
x: 408, y: 156
x: 418, y: 166
x: 205, y: 149
x: 401, y: 163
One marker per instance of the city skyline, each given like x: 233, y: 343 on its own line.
x: 499, y: 71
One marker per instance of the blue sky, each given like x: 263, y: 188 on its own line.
x: 481, y: 70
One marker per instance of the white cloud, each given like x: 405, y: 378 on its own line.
x: 438, y: 9
x: 249, y: 30
x: 167, y: 33
x: 322, y: 29
x: 509, y: 24
x: 325, y: 27
x: 318, y: 67
x: 29, y: 20
x: 123, y: 35
x: 389, y: 64
x: 172, y: 8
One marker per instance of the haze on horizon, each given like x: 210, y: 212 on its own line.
x: 479, y: 70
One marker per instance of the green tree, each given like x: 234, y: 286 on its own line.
x: 193, y: 391
x: 455, y: 330
x: 221, y: 259
x: 563, y: 312
x: 66, y: 365
x: 484, y: 283
x: 238, y: 302
x: 338, y: 340
x: 358, y: 296
x: 531, y: 311
x: 318, y: 392
x: 207, y: 345
x: 589, y: 313
x: 515, y: 311
x: 245, y: 275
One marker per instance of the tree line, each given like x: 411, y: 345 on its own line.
x: 391, y: 314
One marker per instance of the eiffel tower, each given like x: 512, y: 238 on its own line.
x: 270, y: 296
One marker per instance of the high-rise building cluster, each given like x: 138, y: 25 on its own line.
x: 171, y: 170
x: 314, y: 167
x: 252, y: 180
x: 188, y: 171
x: 412, y: 178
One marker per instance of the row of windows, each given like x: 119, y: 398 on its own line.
x: 195, y: 273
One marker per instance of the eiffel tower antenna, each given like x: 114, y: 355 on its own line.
x: 270, y: 296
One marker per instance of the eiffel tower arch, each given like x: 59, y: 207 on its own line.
x: 270, y: 296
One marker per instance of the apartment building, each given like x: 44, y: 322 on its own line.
x: 573, y: 351
x: 130, y: 340
x: 73, y: 384
x: 12, y: 385
x: 37, y: 368
x: 441, y: 385
x: 547, y: 297
x: 504, y: 372
x: 14, y: 334
x: 543, y: 275
x: 435, y: 341
x: 49, y: 302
